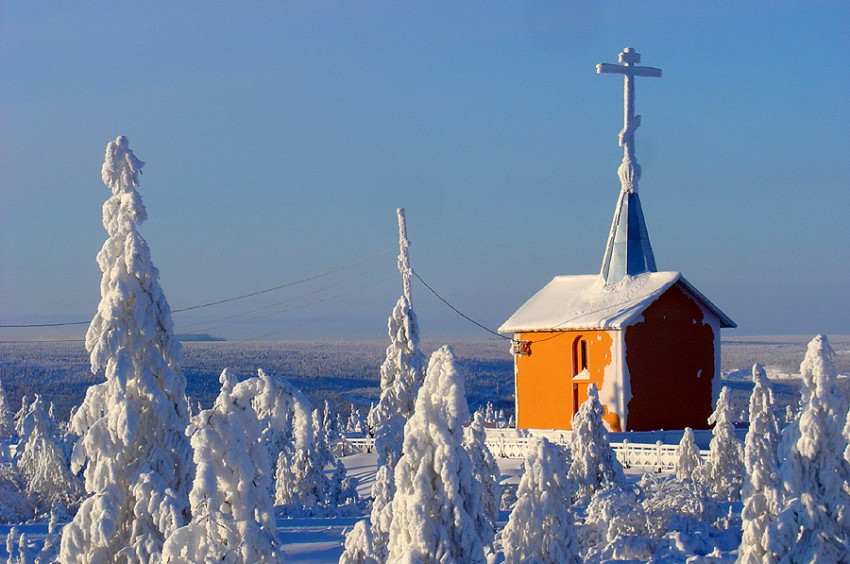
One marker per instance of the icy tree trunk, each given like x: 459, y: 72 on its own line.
x: 132, y: 444
x: 436, y: 496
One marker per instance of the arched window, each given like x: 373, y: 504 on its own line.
x: 579, y: 355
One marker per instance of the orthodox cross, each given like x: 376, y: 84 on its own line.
x: 629, y: 171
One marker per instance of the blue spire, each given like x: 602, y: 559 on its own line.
x: 628, y: 251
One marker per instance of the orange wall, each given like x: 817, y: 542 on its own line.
x: 671, y: 362
x: 544, y: 379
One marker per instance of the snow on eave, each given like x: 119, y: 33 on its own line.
x: 584, y: 302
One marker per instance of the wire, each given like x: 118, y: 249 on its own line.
x: 457, y: 311
x: 33, y: 325
x: 311, y: 321
x: 217, y: 302
x: 287, y: 285
x: 267, y: 309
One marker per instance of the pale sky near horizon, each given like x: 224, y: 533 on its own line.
x: 280, y: 137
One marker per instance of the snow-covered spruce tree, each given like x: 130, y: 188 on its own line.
x: 356, y: 423
x: 687, y: 456
x: 137, y: 458
x: 847, y: 438
x: 358, y: 545
x: 232, y: 512
x: 436, y: 496
x: 368, y: 541
x: 15, y: 506
x: 401, y: 376
x: 485, y: 471
x: 722, y: 473
x: 761, y: 488
x: 616, y: 527
x: 594, y: 464
x: 21, y: 413
x: 7, y: 416
x: 403, y: 368
x: 813, y: 524
x: 541, y: 526
x: 42, y: 463
x: 300, y: 481
x: 329, y: 425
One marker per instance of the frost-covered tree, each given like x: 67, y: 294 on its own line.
x: 300, y: 479
x: 21, y: 413
x: 15, y: 506
x: 594, y: 463
x: 358, y: 546
x: 403, y: 368
x: 136, y: 456
x: 50, y: 548
x: 847, y: 438
x: 7, y: 416
x: 670, y: 504
x: 485, y: 471
x: 723, y: 471
x: 761, y: 488
x: 42, y: 462
x: 232, y: 513
x: 436, y: 496
x: 813, y: 524
x: 541, y: 526
x: 401, y: 376
x: 688, y: 459
x: 368, y: 541
x: 616, y: 526
x: 357, y: 421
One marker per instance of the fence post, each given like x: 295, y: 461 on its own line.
x: 626, y: 453
x: 658, y: 465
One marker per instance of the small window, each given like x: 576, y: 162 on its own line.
x: 579, y: 355
x: 583, y: 355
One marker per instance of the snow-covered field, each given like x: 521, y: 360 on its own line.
x: 347, y: 371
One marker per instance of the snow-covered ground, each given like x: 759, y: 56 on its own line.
x: 320, y: 539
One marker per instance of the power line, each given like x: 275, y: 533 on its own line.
x: 457, y: 311
x: 267, y: 309
x: 311, y: 321
x: 215, y: 326
x: 287, y: 285
x: 222, y: 301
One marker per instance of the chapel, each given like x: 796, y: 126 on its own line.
x: 648, y: 340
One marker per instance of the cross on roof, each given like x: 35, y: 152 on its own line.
x: 630, y: 58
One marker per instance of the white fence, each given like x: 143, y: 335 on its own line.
x: 657, y: 457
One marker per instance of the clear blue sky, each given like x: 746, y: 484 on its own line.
x: 280, y: 137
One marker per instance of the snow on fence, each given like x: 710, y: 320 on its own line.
x: 504, y: 443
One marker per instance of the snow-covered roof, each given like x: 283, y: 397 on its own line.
x: 586, y: 302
